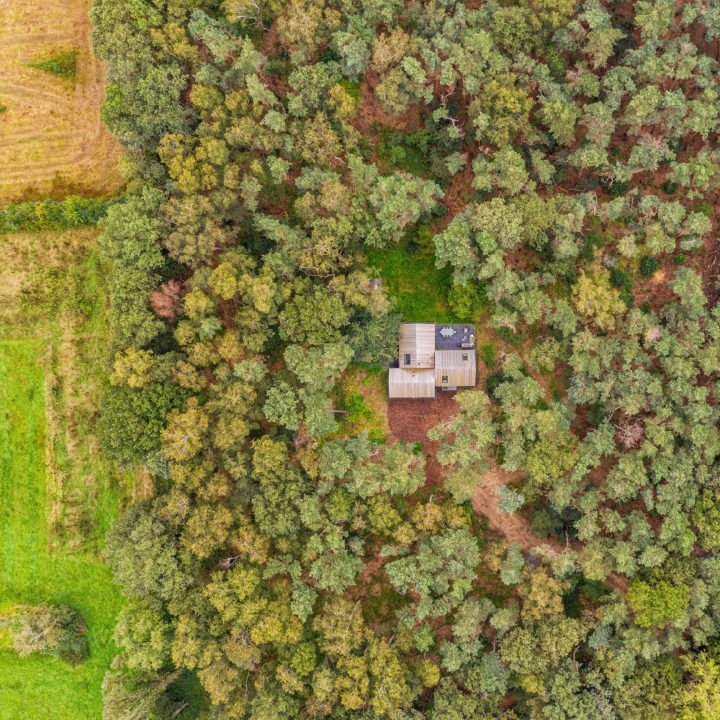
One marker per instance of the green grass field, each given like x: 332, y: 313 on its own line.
x: 57, y: 493
x: 40, y: 687
x: 420, y: 289
x: 56, y: 290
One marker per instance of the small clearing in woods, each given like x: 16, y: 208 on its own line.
x: 52, y: 141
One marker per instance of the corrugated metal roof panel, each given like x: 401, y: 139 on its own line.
x: 417, y: 345
x: 455, y: 368
x: 411, y: 383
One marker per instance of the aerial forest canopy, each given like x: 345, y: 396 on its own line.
x: 561, y: 159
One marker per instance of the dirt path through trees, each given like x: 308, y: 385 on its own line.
x: 513, y: 526
x: 410, y: 420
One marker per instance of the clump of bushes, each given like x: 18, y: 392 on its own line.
x: 704, y: 207
x: 62, y: 64
x: 55, y: 630
x: 488, y: 354
x: 616, y: 188
x: 70, y: 212
x: 467, y: 301
x: 648, y: 265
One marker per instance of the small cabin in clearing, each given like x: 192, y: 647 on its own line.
x: 432, y: 356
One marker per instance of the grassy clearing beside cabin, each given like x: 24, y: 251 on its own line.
x: 362, y: 395
x: 410, y: 276
x: 40, y: 688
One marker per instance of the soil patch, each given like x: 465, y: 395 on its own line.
x: 410, y: 421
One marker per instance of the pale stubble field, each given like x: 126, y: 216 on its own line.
x: 52, y: 141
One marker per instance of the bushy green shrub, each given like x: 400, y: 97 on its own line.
x: 618, y: 189
x: 648, y: 265
x: 488, y: 354
x: 704, y: 207
x: 620, y: 279
x: 55, y: 630
x: 62, y: 64
x: 467, y: 301
x: 72, y: 211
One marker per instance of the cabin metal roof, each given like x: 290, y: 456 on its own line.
x: 430, y: 356
x: 417, y: 345
x: 455, y: 368
x: 411, y: 383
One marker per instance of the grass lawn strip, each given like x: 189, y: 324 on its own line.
x: 41, y: 687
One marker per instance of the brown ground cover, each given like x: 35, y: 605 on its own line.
x: 52, y: 141
x: 410, y: 421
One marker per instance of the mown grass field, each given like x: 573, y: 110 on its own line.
x: 52, y: 288
x: 57, y: 494
x: 39, y: 687
x: 51, y: 138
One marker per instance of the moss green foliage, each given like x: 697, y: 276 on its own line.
x: 488, y: 354
x: 699, y: 698
x: 526, y: 165
x: 133, y: 418
x: 657, y: 605
x: 467, y: 301
x: 406, y: 151
x: 62, y: 64
x: 648, y: 265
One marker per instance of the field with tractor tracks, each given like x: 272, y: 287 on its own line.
x: 52, y: 141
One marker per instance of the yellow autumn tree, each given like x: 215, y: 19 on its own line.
x: 595, y: 299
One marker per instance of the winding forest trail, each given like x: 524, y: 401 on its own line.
x: 410, y: 420
x: 513, y: 526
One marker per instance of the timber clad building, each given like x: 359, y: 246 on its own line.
x: 433, y: 356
